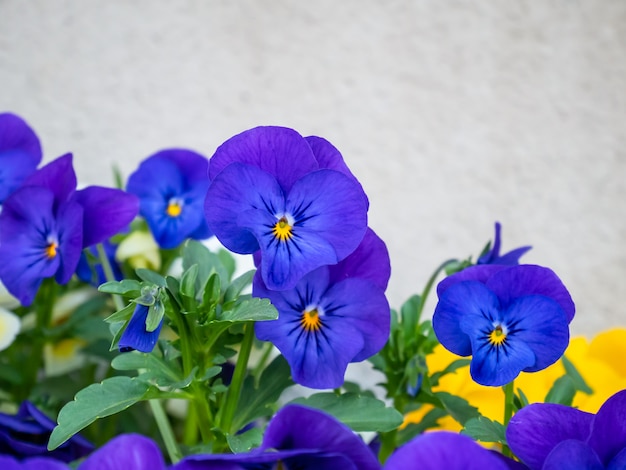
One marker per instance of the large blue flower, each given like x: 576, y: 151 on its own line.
x: 297, y: 438
x: 269, y: 193
x: 333, y: 316
x: 46, y: 223
x: 548, y: 436
x: 171, y: 186
x: 20, y: 153
x: 510, y: 319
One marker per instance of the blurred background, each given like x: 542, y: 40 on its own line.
x: 453, y: 114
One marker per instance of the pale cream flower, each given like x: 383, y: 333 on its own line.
x: 141, y: 251
x: 9, y: 328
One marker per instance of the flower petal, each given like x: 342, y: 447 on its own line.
x: 279, y: 151
x: 443, y: 451
x: 527, y: 279
x: 608, y: 431
x: 9, y: 328
x: 58, y: 176
x: 572, y: 455
x: 463, y: 299
x: 481, y: 273
x: 131, y: 451
x: 537, y: 428
x: 136, y: 336
x: 70, y: 235
x: 237, y: 189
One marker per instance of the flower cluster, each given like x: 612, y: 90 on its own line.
x: 114, y: 303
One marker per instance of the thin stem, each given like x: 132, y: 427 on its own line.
x: 429, y: 284
x: 387, y: 445
x: 108, y: 275
x: 166, y: 430
x: 234, y: 390
x: 508, y: 412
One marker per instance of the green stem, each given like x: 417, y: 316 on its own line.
x: 508, y: 412
x: 387, y: 445
x: 108, y: 275
x: 234, y: 390
x: 166, y: 430
x: 429, y: 284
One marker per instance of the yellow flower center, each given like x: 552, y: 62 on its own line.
x: 282, y: 229
x: 51, y: 250
x: 174, y: 207
x: 497, y: 336
x: 311, y: 320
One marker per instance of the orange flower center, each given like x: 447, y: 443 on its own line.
x: 51, y: 250
x: 311, y: 320
x: 174, y: 207
x: 497, y: 335
x: 282, y: 229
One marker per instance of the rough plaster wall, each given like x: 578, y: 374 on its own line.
x: 453, y: 114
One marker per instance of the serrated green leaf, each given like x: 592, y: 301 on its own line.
x: 253, y: 309
x: 122, y: 315
x: 240, y: 443
x: 127, y: 286
x: 97, y: 401
x: 485, y: 430
x: 210, y: 373
x: 136, y: 360
x: 359, y: 412
x: 150, y: 276
x: 562, y: 391
x: 238, y: 285
x: 457, y: 407
x: 452, y: 367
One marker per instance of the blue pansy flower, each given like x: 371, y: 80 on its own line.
x: 136, y: 335
x: 25, y: 435
x: 171, y: 186
x: 547, y: 436
x: 299, y: 438
x: 128, y: 451
x: 493, y: 255
x: 269, y: 194
x: 46, y: 223
x: 333, y: 316
x: 444, y: 450
x: 20, y: 153
x: 509, y: 318
x: 93, y: 273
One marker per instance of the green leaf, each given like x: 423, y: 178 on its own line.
x: 240, y: 443
x: 136, y: 360
x: 122, y: 315
x: 238, y: 285
x: 452, y: 367
x: 155, y: 315
x: 577, y: 379
x: 359, y: 412
x: 151, y: 277
x: 409, y: 314
x: 208, y: 263
x: 457, y: 407
x: 253, y: 309
x: 562, y: 391
x: 97, y: 401
x: 188, y: 281
x: 211, y: 293
x: 228, y: 262
x: 485, y: 430
x: 127, y: 286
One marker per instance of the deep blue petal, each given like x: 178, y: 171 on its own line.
x: 479, y: 273
x: 443, y: 451
x: 537, y: 428
x: 572, y: 455
x: 106, y: 212
x: 135, y: 335
x: 332, y: 205
x: 279, y: 151
x: 608, y: 432
x: 540, y: 323
x: 58, y: 176
x: 618, y: 462
x: 461, y: 300
x: 130, y: 451
x: 493, y: 256
x: 70, y: 234
x: 15, y: 167
x: 237, y: 189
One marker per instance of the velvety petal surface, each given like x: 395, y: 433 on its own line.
x: 135, y: 336
x: 107, y: 211
x: 126, y: 451
x: 618, y: 462
x: 299, y: 427
x: 572, y: 455
x: 58, y: 176
x: 467, y: 299
x: 70, y: 225
x: 443, y: 451
x: 240, y: 188
x: 480, y: 273
x: 279, y: 151
x: 369, y: 261
x: 608, y: 431
x: 527, y: 279
x: 538, y: 428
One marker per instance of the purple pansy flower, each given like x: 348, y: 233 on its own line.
x: 493, y: 256
x: 126, y: 451
x: 136, y: 336
x: 333, y: 316
x: 268, y: 193
x: 20, y: 153
x: 548, y: 436
x: 46, y: 223
x: 300, y: 438
x: 509, y: 318
x: 36, y: 463
x: 171, y: 186
x: 444, y: 450
x: 26, y: 435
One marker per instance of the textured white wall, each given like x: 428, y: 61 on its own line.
x: 452, y: 113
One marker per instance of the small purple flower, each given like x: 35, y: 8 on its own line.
x: 296, y: 438
x: 171, y: 186
x: 136, y: 335
x: 46, y: 223
x: 548, y: 436
x: 493, y: 256
x: 444, y: 450
x: 126, y: 451
x: 26, y: 435
x: 269, y: 193
x: 20, y: 153
x: 509, y: 318
x: 333, y: 316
